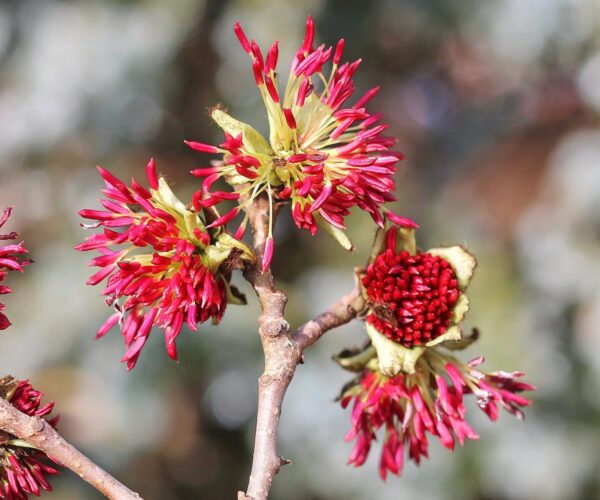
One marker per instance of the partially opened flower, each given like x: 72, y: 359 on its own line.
x: 11, y: 259
x: 409, y: 384
x: 23, y: 467
x: 323, y: 155
x: 161, y: 260
x: 415, y: 300
x: 408, y: 406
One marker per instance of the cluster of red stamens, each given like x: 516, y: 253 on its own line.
x: 412, y: 296
x: 324, y: 156
x: 11, y: 259
x: 154, y: 253
x: 410, y: 407
x: 23, y: 469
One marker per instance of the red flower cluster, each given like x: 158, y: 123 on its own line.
x: 324, y: 157
x: 23, y: 469
x: 165, y: 263
x: 412, y: 296
x: 10, y: 260
x: 431, y: 402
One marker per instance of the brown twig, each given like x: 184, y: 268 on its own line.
x: 283, y: 352
x: 338, y: 314
x: 39, y: 433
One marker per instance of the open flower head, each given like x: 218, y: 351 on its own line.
x: 323, y: 155
x: 415, y: 300
x: 163, y: 266
x: 23, y: 467
x: 409, y: 385
x: 408, y: 407
x: 11, y: 259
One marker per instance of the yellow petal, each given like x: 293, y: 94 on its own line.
x: 225, y: 243
x: 355, y: 361
x: 461, y: 260
x: 393, y: 358
x: 378, y: 244
x: 453, y: 333
x: 236, y: 180
x: 406, y: 240
x: 253, y: 141
x: 192, y: 221
x: 336, y: 233
x: 463, y: 343
x: 228, y: 241
x: 460, y: 309
x: 165, y: 195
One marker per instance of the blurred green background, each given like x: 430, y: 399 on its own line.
x: 495, y: 104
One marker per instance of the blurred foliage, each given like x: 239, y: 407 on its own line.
x: 495, y: 105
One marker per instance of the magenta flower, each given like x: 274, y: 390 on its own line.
x: 415, y: 300
x: 23, y: 468
x: 322, y: 155
x: 160, y: 260
x: 11, y: 259
x: 409, y: 383
x: 408, y: 407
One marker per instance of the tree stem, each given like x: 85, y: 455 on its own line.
x: 42, y: 435
x: 282, y: 351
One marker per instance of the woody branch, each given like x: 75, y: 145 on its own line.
x: 39, y: 433
x: 283, y: 351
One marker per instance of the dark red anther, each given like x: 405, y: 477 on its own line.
x: 257, y: 68
x: 310, y: 35
x: 271, y: 89
x: 239, y: 32
x: 272, y: 56
x: 338, y: 52
x: 289, y: 118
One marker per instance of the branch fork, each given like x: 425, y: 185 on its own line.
x: 283, y: 352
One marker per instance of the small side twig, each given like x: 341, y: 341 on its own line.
x: 283, y: 352
x: 42, y: 435
x: 338, y: 314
